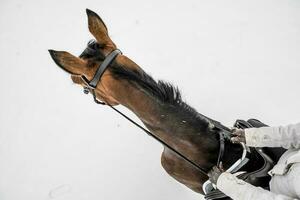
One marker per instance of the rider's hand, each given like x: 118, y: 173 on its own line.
x: 215, y: 173
x: 238, y: 135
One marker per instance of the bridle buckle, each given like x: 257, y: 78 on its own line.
x: 86, y: 90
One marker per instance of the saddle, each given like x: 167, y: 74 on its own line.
x: 259, y: 177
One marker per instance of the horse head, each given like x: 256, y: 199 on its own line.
x: 88, y: 62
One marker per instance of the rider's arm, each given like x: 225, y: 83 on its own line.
x: 282, y: 136
x: 240, y: 190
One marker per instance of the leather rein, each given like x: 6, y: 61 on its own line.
x: 90, y: 87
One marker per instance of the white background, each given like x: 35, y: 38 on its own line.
x: 231, y: 59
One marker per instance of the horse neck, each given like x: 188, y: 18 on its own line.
x: 151, y: 112
x: 168, y: 117
x: 178, y: 125
x: 183, y: 133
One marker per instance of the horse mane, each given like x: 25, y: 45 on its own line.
x: 161, y: 90
x: 165, y: 93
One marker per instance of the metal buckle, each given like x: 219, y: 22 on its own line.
x: 90, y: 89
x: 87, y: 87
x: 86, y: 90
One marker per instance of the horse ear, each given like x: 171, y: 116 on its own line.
x: 98, y: 29
x: 69, y: 63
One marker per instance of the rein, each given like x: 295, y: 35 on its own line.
x: 90, y: 87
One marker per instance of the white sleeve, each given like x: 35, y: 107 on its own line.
x: 281, y: 136
x: 238, y: 189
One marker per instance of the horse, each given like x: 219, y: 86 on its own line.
x: 159, y: 106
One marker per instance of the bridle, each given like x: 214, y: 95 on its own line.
x: 90, y: 86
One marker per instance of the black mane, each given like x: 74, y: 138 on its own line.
x: 160, y: 90
x: 164, y: 92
